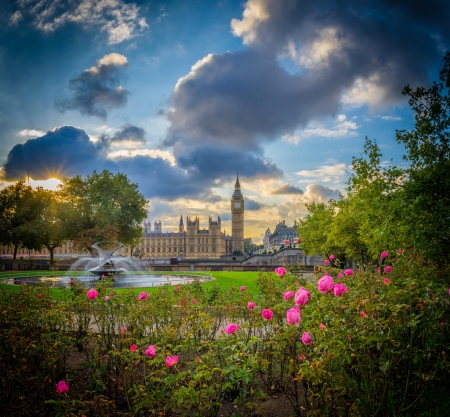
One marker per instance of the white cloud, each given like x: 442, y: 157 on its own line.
x: 344, y: 128
x: 255, y: 12
x: 15, y: 18
x: 31, y: 133
x: 153, y: 153
x: 365, y: 92
x: 326, y: 173
x: 294, y: 139
x: 391, y: 117
x: 316, y: 53
x: 121, y: 21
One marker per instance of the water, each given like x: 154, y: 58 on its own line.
x: 120, y: 281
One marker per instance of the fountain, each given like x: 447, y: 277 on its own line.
x: 127, y: 272
x: 107, y: 265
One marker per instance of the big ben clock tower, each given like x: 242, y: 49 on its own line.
x: 237, y: 218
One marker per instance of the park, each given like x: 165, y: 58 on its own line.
x: 366, y: 334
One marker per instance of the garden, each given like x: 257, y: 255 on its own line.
x: 345, y: 343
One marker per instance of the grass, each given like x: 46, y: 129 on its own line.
x: 223, y: 279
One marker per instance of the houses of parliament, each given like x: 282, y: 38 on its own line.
x: 190, y: 241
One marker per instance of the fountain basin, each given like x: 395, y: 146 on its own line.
x: 122, y: 281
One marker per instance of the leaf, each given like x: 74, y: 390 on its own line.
x: 384, y: 367
x: 347, y: 357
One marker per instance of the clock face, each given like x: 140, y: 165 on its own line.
x: 237, y: 205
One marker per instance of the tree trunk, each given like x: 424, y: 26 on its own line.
x: 51, y: 250
x: 15, y: 251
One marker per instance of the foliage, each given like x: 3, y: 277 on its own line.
x: 427, y: 193
x: 103, y: 206
x: 18, y: 211
x: 389, y: 362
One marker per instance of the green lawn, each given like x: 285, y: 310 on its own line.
x: 223, y: 279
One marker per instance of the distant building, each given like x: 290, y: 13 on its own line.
x: 281, y: 233
x: 266, y: 239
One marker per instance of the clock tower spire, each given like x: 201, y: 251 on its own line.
x: 237, y: 218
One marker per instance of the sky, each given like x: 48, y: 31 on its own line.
x: 181, y: 95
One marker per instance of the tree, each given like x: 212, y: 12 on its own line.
x: 427, y: 191
x: 103, y: 206
x: 19, y: 209
x: 48, y: 227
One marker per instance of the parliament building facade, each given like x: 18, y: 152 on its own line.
x: 192, y: 241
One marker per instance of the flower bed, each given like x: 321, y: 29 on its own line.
x: 352, y: 343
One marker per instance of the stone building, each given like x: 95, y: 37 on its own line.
x: 192, y: 241
x: 281, y: 233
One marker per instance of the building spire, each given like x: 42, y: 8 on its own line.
x: 237, y: 186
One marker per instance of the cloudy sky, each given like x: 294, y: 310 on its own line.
x: 180, y: 95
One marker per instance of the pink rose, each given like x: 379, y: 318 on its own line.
x: 194, y: 300
x: 332, y: 257
x: 62, y: 386
x: 280, y: 272
x: 171, y: 361
x: 267, y: 314
x: 133, y: 347
x: 322, y: 326
x: 384, y: 254
x: 72, y: 282
x: 363, y: 314
x: 302, y: 296
x: 326, y: 262
x: 339, y: 289
x: 302, y: 357
x: 92, y: 294
x: 288, y: 295
x: 325, y: 284
x: 251, y: 305
x: 293, y: 316
x: 151, y: 352
x: 388, y: 269
x: 387, y: 281
x: 306, y: 339
x: 39, y: 295
x: 399, y: 251
x: 243, y: 288
x: 177, y: 288
x: 142, y: 296
x: 348, y: 272
x: 106, y: 298
x: 340, y: 276
x: 231, y: 328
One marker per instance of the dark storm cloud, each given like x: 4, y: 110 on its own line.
x: 157, y: 178
x: 252, y: 204
x: 368, y: 49
x: 219, y: 163
x: 287, y: 189
x: 97, y: 89
x: 129, y: 133
x: 65, y: 151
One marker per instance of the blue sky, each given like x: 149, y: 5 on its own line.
x: 181, y: 95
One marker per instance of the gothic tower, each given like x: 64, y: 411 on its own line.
x: 237, y: 218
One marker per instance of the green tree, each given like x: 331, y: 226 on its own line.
x: 427, y: 191
x: 19, y: 209
x: 103, y: 206
x: 48, y: 229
